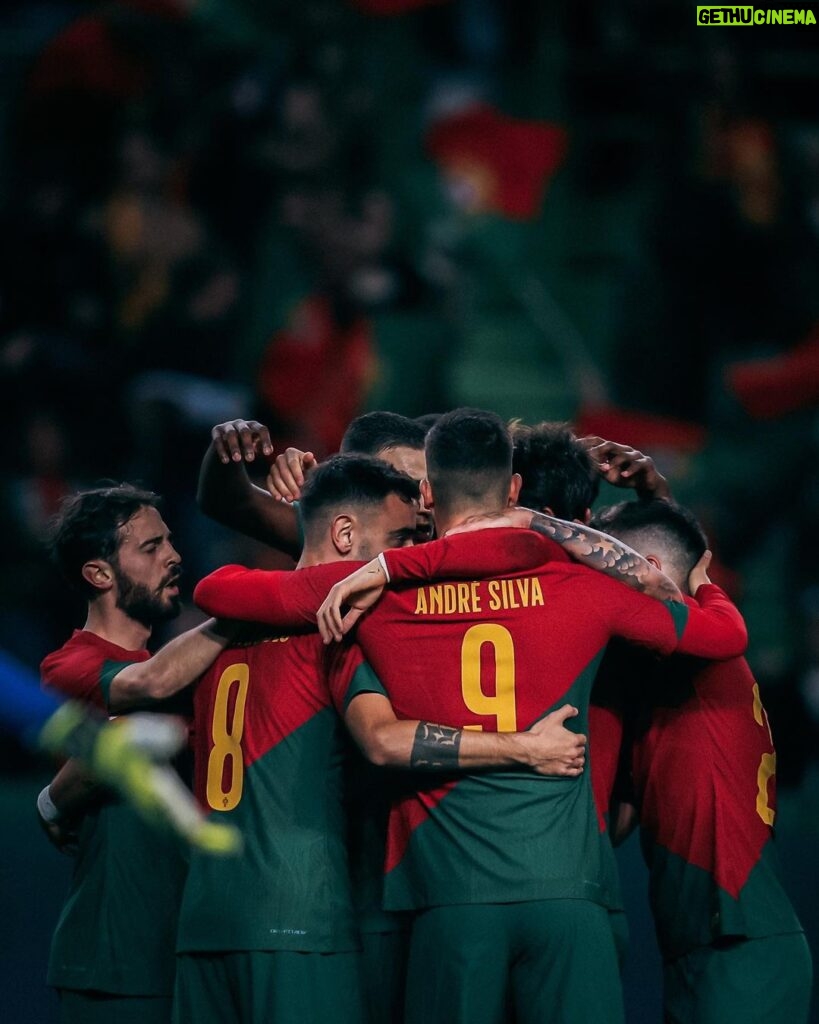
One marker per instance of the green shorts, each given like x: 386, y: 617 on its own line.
x: 547, y: 961
x: 741, y: 981
x: 384, y: 975
x: 258, y: 987
x: 87, y: 1007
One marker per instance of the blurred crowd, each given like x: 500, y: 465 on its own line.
x: 297, y: 211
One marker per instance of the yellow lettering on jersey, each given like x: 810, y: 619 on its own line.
x: 436, y: 600
x: 760, y: 714
x: 421, y: 601
x: 227, y: 739
x: 757, y: 706
x: 767, y: 768
x: 518, y: 593
x: 501, y: 704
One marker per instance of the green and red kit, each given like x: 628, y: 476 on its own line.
x: 494, y: 654
x: 117, y: 931
x: 269, y: 758
x: 703, y: 767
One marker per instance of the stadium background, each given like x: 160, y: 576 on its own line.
x: 591, y: 212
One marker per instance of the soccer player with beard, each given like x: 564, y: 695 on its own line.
x: 273, y: 937
x: 227, y: 494
x: 504, y: 866
x: 112, y: 956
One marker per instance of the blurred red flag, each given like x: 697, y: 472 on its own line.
x: 497, y: 163
x: 642, y: 430
x: 315, y: 373
x: 770, y: 388
x: 88, y: 55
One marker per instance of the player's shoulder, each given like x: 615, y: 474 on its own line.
x: 267, y: 644
x: 84, y: 651
x: 575, y: 572
x: 81, y: 648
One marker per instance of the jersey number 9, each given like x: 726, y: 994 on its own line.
x: 501, y: 704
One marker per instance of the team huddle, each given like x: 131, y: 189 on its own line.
x: 429, y: 735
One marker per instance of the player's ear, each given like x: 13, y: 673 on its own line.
x: 655, y: 561
x: 514, y: 489
x: 341, y: 533
x: 99, y: 574
x: 426, y: 494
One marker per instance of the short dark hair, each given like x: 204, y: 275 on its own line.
x: 469, y: 457
x: 375, y: 432
x: 662, y: 522
x: 428, y: 420
x: 557, y: 471
x: 88, y: 525
x: 351, y: 480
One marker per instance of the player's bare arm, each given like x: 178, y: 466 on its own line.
x: 604, y: 553
x: 358, y: 592
x: 624, y: 466
x: 172, y: 668
x: 548, y: 748
x: 587, y: 546
x: 227, y: 494
x: 698, y: 577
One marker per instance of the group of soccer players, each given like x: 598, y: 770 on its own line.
x: 428, y: 745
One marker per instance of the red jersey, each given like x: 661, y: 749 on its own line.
x: 703, y: 766
x: 494, y: 654
x: 84, y: 667
x: 500, y: 654
x: 270, y: 754
x: 117, y: 930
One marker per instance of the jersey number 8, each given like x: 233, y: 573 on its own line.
x: 227, y: 740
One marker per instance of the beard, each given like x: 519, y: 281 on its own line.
x: 146, y: 606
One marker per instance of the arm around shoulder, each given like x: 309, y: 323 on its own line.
x: 549, y: 748
x: 175, y: 666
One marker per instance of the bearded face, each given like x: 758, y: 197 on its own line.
x: 148, y: 605
x: 146, y: 569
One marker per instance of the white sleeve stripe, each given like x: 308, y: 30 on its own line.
x: 382, y: 561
